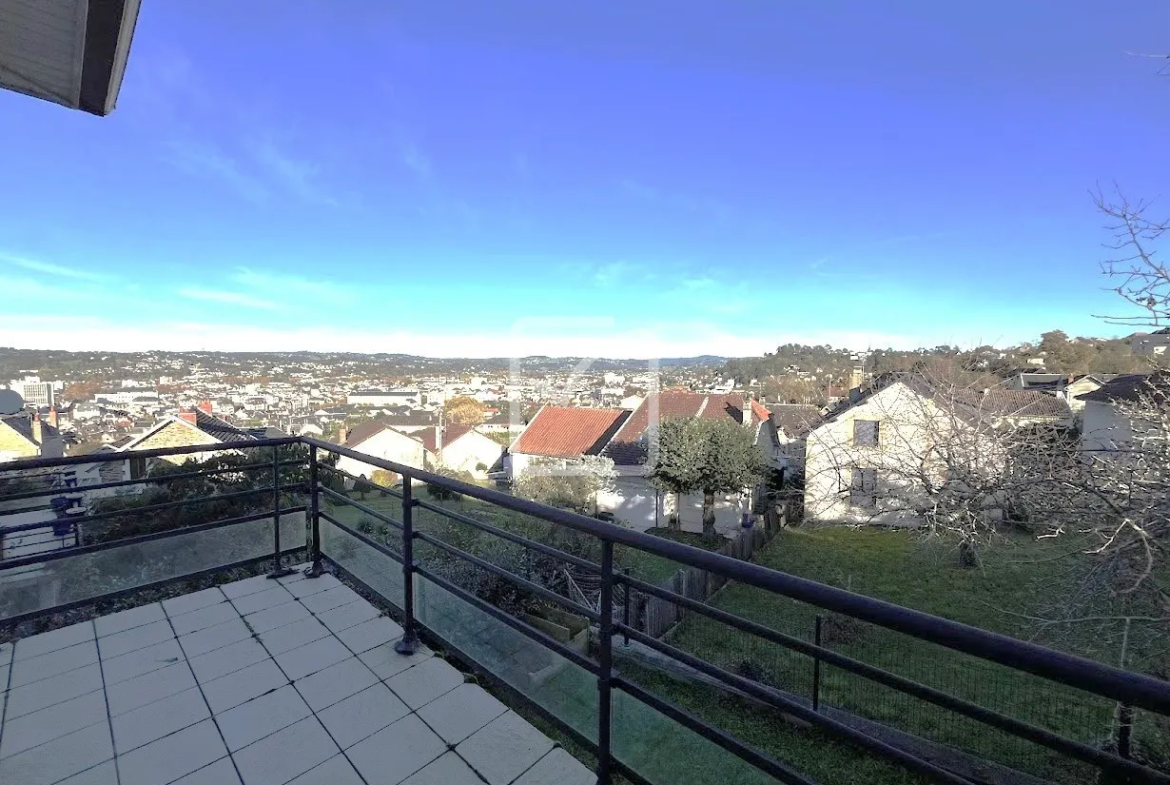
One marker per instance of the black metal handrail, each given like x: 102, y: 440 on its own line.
x: 1130, y: 688
x: 1127, y: 688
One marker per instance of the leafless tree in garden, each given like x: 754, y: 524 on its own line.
x: 927, y: 449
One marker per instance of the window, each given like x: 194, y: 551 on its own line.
x: 865, y: 433
x: 137, y: 468
x: 863, y: 488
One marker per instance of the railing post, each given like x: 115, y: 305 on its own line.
x: 816, y: 685
x: 626, y: 607
x: 605, y: 663
x: 278, y: 569
x: 1125, y: 732
x: 315, y: 570
x: 409, y: 643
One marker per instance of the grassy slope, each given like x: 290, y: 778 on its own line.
x: 894, y: 567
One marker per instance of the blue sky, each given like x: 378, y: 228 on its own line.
x: 659, y: 178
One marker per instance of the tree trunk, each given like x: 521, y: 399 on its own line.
x: 708, y: 514
x: 673, y: 520
x: 968, y: 555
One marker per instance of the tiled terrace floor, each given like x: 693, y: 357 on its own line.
x: 258, y: 682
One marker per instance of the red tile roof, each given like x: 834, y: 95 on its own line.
x: 568, y: 432
x: 359, y: 433
x: 626, y: 448
x: 450, y: 434
x: 759, y: 411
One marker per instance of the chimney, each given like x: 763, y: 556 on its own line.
x: 341, y: 434
x: 745, y: 413
x: 205, y: 405
x: 188, y: 417
x: 36, y: 428
x: 53, y: 417
x: 438, y: 441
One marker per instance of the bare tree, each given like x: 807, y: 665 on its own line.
x: 927, y: 450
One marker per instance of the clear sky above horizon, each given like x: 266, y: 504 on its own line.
x: 634, y: 179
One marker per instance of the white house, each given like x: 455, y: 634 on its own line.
x: 791, y: 423
x: 458, y: 447
x: 562, y: 432
x: 1106, y: 425
x: 381, y: 441
x: 636, y: 502
x: 870, y: 459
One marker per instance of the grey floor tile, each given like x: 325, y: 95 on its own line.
x: 312, y: 586
x: 278, y: 616
x: 49, y: 692
x: 128, y: 619
x: 220, y: 662
x: 172, y: 757
x: 360, y: 638
x: 135, y: 638
x: 447, y: 770
x: 504, y: 749
x: 203, y: 618
x: 137, y: 663
x: 230, y: 691
x: 387, y: 663
x: 335, y: 771
x: 231, y: 631
x: 362, y: 715
x: 335, y: 683
x: 247, y: 586
x: 222, y: 772
x: 41, y: 727
x: 424, y: 682
x: 312, y: 657
x: 461, y: 712
x: 26, y: 671
x: 286, y: 754
x: 249, y: 722
x: 101, y: 774
x: 5, y: 653
x: 177, y: 606
x: 64, y: 757
x: 160, y: 718
x: 346, y: 616
x: 330, y: 598
x: 290, y: 636
x: 394, y: 753
x: 4, y: 671
x: 149, y: 687
x: 262, y: 600
x: 64, y: 637
x: 558, y: 768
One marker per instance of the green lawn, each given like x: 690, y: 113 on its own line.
x: 893, y: 566
x: 889, y: 565
x: 646, y: 566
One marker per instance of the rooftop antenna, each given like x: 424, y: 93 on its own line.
x: 10, y: 402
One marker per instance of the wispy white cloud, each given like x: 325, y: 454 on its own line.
x: 883, y: 242
x: 297, y: 176
x: 210, y: 163
x: 51, y: 268
x: 275, y: 284
x: 229, y: 298
x: 414, y: 159
x: 613, y: 273
x: 705, y: 205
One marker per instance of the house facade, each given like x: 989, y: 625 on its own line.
x: 875, y: 459
x: 1107, y: 421
x: 25, y: 435
x: 458, y: 447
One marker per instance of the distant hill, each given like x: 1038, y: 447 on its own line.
x: 60, y: 364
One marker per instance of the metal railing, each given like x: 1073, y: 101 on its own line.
x: 403, y: 533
